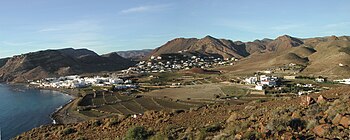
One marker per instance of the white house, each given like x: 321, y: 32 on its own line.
x: 251, y: 80
x: 269, y: 82
x: 343, y: 81
x: 116, y: 81
x: 259, y: 87
x: 320, y: 80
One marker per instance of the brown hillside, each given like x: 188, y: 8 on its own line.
x: 321, y: 56
x: 328, y: 57
x: 52, y: 63
x: 282, y: 118
x: 283, y: 42
x: 206, y: 45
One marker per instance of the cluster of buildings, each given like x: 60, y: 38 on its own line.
x: 343, y: 81
x: 262, y: 81
x: 76, y: 81
x: 170, y: 62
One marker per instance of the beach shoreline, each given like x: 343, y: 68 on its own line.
x: 61, y: 114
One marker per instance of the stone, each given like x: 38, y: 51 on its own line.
x: 307, y: 100
x: 337, y: 118
x: 322, y: 121
x: 233, y: 117
x: 344, y: 122
x: 296, y: 114
x: 238, y: 137
x: 321, y: 130
x: 287, y: 136
x: 321, y: 99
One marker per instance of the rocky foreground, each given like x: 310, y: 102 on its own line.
x: 324, y: 115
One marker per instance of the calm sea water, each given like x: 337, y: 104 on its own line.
x: 22, y: 109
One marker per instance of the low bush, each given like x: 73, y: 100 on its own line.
x: 97, y: 123
x: 213, y: 128
x: 137, y: 133
x: 311, y: 124
x: 278, y: 124
x: 68, y: 131
x: 297, y: 124
x: 113, y: 122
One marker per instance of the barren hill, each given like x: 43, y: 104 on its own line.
x: 49, y: 63
x: 226, y: 48
x: 283, y: 42
x: 207, y: 45
x: 135, y: 54
x: 327, y: 56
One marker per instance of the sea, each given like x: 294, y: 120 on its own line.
x: 23, y: 108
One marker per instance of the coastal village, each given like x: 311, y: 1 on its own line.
x: 175, y: 62
x: 76, y: 81
x: 263, y: 82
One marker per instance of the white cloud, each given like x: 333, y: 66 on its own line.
x: 76, y: 26
x: 144, y: 8
x: 10, y: 43
x: 49, y: 29
x: 338, y: 25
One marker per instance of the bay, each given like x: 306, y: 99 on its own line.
x: 22, y: 108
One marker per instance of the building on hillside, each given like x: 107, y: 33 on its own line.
x: 251, y: 80
x: 320, y: 79
x: 289, y: 77
x: 259, y: 87
x: 343, y: 81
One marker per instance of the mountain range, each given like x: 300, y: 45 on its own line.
x: 53, y: 63
x: 326, y: 56
x: 135, y: 54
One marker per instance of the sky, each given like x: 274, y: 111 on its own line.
x: 115, y: 25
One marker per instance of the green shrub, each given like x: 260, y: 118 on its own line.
x: 159, y: 136
x: 81, y: 138
x: 213, y: 128
x: 68, y: 131
x: 113, y: 122
x: 251, y: 135
x: 97, y: 123
x: 297, y: 123
x: 311, y: 124
x: 137, y: 133
x: 278, y: 124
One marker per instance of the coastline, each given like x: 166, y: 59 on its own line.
x: 60, y: 115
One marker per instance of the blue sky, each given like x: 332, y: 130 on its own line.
x: 113, y: 25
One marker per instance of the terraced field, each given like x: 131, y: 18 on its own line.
x: 115, y: 103
x: 148, y: 104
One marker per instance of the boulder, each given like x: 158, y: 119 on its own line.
x: 238, y: 137
x: 296, y: 114
x: 307, y: 100
x: 321, y: 99
x: 337, y: 118
x: 344, y: 121
x: 321, y: 130
x: 233, y: 117
x: 322, y: 121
